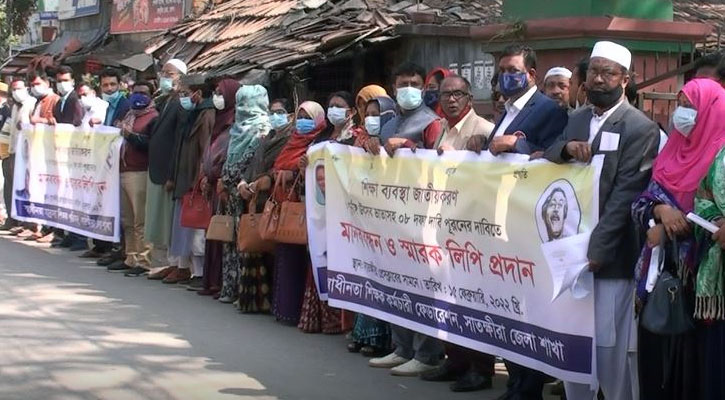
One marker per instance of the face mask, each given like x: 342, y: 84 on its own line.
x: 430, y: 98
x: 337, y: 115
x: 87, y: 101
x: 139, y: 101
x: 186, y: 103
x: 218, y: 101
x: 39, y: 91
x: 166, y: 84
x: 684, y: 119
x: 409, y: 98
x: 305, y: 126
x: 278, y: 120
x: 604, y: 99
x: 20, y: 95
x: 111, y: 98
x: 512, y: 84
x: 65, y: 87
x: 372, y: 125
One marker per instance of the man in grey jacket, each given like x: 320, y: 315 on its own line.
x: 628, y: 140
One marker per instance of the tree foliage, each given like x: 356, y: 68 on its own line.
x: 14, y: 15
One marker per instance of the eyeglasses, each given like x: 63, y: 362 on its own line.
x: 456, y: 94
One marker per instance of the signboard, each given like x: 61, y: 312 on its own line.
x: 68, y: 178
x: 68, y: 9
x: 145, y: 15
x: 485, y: 252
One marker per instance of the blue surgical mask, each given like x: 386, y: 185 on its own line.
x: 111, y: 98
x: 186, y: 103
x: 512, y: 84
x: 139, y: 101
x: 278, y: 120
x: 372, y: 125
x: 409, y: 98
x: 305, y: 126
x: 166, y: 84
x: 430, y: 98
x: 684, y: 119
x: 337, y: 115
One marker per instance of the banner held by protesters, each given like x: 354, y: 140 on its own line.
x: 68, y: 178
x: 453, y: 246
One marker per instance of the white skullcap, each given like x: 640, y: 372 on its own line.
x: 178, y: 64
x: 613, y: 51
x: 558, y: 71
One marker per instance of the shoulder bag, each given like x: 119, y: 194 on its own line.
x: 292, y: 227
x: 249, y: 238
x: 195, y: 209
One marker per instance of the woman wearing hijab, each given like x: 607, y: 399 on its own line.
x: 292, y: 261
x: 254, y: 275
x: 250, y: 126
x: 211, y: 171
x: 364, y: 96
x: 432, y: 85
x: 370, y: 336
x: 684, y: 161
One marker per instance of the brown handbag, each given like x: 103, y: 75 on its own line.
x: 269, y: 221
x: 249, y: 239
x: 221, y: 228
x: 292, y: 226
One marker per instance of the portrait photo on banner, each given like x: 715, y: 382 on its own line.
x: 558, y: 212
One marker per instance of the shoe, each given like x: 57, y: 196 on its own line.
x: 65, y: 242
x: 208, y: 292
x: 110, y: 259
x: 370, y: 351
x: 217, y: 295
x: 412, y: 368
x: 136, y: 271
x: 162, y: 273
x: 15, y: 231
x: 178, y: 275
x: 227, y: 299
x: 195, y: 284
x: 471, y: 382
x: 444, y: 373
x: 390, y: 361
x: 354, y: 347
x: 26, y: 233
x: 33, y: 238
x: 118, y: 266
x: 8, y: 225
x: 78, y: 246
x: 92, y: 253
x: 47, y: 238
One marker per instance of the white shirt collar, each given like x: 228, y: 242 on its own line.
x: 606, y: 114
x: 519, y: 104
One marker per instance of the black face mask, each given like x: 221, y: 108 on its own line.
x: 605, y: 98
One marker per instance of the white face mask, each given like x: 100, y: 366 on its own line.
x: 337, y: 115
x: 20, y: 95
x: 87, y: 101
x: 372, y: 125
x: 39, y: 91
x: 218, y: 101
x: 65, y: 87
x: 684, y: 119
x: 409, y: 98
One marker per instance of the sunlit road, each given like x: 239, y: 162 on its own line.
x: 71, y: 330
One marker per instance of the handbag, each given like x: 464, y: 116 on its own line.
x: 195, y: 210
x: 221, y: 228
x: 666, y: 311
x: 249, y: 239
x: 292, y: 226
x: 269, y: 221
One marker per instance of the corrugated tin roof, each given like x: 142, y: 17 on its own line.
x: 240, y: 35
x: 710, y: 12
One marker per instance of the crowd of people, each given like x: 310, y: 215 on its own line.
x: 234, y: 146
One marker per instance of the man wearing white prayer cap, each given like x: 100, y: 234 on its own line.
x: 170, y: 74
x: 628, y: 140
x: 556, y: 86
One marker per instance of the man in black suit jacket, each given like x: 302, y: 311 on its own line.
x: 69, y: 109
x: 628, y: 140
x: 532, y: 121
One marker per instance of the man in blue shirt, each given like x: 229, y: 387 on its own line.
x: 118, y: 104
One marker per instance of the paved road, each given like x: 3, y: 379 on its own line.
x: 70, y: 330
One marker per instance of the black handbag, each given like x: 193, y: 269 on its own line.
x: 666, y: 311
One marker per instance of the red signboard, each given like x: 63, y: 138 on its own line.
x: 145, y: 15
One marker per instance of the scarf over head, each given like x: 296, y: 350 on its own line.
x: 297, y: 145
x: 251, y: 121
x: 366, y: 94
x: 684, y: 161
x: 216, y: 154
x: 432, y: 75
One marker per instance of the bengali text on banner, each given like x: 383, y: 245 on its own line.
x: 68, y: 177
x: 482, y: 251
